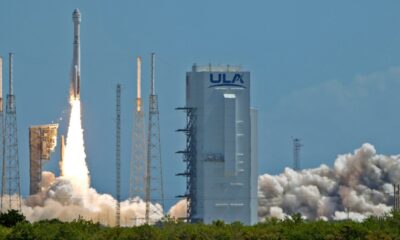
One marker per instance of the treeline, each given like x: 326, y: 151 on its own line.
x: 14, y: 226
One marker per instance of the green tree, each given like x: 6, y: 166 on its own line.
x: 11, y: 218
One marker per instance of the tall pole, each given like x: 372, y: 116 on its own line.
x: 154, y: 173
x: 10, y: 69
x: 2, y: 126
x: 118, y: 155
x: 296, y: 153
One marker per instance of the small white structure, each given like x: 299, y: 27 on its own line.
x: 225, y: 183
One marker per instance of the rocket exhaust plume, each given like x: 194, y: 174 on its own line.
x: 74, y: 164
x: 70, y: 196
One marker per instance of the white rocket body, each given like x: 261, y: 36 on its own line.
x: 76, y: 60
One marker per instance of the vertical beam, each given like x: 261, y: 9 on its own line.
x: 153, y: 73
x: 10, y: 69
x: 118, y: 155
x: 296, y: 153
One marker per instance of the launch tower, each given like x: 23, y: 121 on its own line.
x: 154, y: 177
x: 11, y: 189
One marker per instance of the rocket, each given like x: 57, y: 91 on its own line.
x: 76, y: 60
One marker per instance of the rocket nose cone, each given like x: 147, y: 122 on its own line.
x: 76, y: 15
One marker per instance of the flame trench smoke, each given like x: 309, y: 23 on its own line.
x: 358, y: 185
x: 70, y: 196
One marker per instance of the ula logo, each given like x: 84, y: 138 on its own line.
x: 221, y: 79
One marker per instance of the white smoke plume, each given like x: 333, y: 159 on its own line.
x: 70, y: 196
x: 179, y: 210
x: 59, y: 201
x: 358, y: 185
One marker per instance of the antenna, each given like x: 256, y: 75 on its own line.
x: 153, y: 73
x: 10, y: 68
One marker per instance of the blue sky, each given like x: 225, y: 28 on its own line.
x: 325, y: 71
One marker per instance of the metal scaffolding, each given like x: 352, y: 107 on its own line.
x: 154, y: 174
x: 189, y: 157
x: 11, y: 188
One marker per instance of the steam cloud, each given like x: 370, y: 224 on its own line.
x: 358, y: 185
x: 70, y: 196
x: 59, y: 200
x: 179, y: 210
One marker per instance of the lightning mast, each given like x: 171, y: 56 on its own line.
x: 2, y: 146
x: 138, y: 159
x: 118, y: 156
x: 296, y: 153
x: 154, y: 177
x: 10, y: 189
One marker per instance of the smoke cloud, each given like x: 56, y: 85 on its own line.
x: 59, y: 200
x: 70, y: 196
x: 179, y: 210
x: 358, y: 185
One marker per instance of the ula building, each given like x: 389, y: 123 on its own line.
x: 221, y: 146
